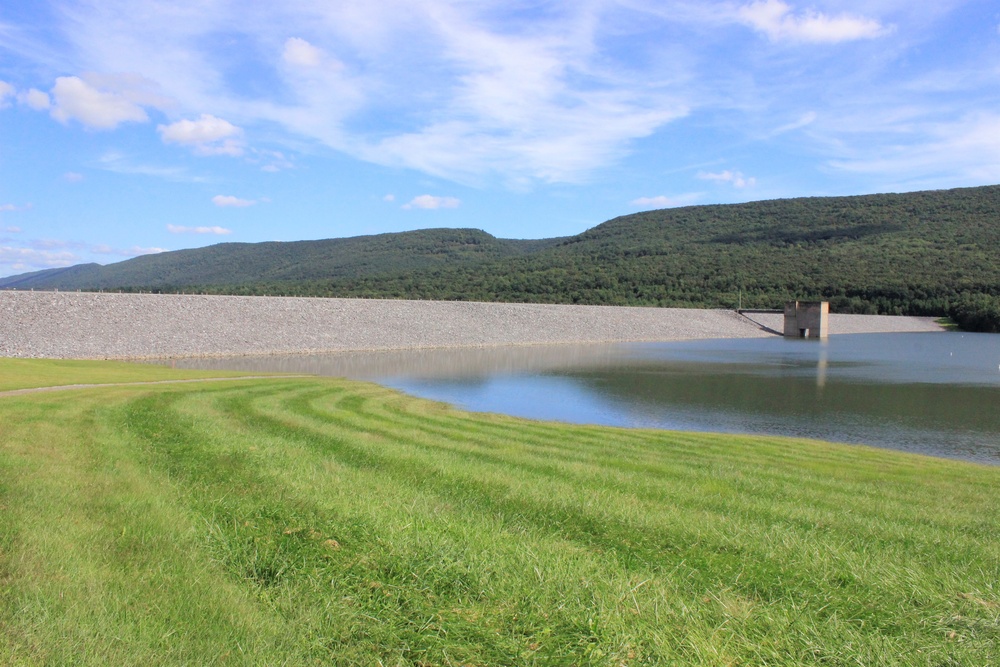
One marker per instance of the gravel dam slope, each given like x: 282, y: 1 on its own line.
x: 87, y: 325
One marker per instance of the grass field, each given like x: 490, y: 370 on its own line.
x: 320, y: 521
x: 28, y: 373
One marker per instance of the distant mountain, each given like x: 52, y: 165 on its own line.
x: 914, y: 253
x: 240, y: 263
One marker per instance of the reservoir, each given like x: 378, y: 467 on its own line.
x: 929, y: 393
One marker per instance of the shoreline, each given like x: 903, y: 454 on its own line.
x: 103, y: 325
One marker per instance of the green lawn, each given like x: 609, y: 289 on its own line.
x: 29, y: 373
x: 320, y: 521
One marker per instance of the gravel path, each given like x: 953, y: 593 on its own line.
x: 130, y: 326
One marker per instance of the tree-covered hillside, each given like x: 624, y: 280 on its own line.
x: 232, y: 263
x: 921, y: 253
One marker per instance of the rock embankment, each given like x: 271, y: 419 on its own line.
x: 129, y: 326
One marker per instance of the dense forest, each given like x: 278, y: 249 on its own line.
x: 921, y: 253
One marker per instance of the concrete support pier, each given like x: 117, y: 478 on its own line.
x: 807, y: 319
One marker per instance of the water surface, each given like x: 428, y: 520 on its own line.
x: 932, y: 393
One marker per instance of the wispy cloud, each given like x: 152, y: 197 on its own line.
x: 271, y: 161
x: 206, y: 136
x: 430, y: 202
x: 659, y: 201
x: 300, y: 52
x: 12, y: 229
x: 180, y: 229
x: 104, y: 101
x: 520, y: 94
x: 736, y: 178
x: 53, y: 244
x: 805, y: 120
x: 231, y: 201
x: 133, y: 251
x: 27, y: 259
x: 777, y: 20
x: 46, y: 253
x: 35, y: 99
x: 14, y: 207
x: 967, y: 149
x: 465, y: 95
x: 662, y: 201
x: 120, y: 163
x: 7, y: 92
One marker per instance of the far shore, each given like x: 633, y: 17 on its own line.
x: 87, y: 325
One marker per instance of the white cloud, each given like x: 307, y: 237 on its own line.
x: 207, y: 136
x: 119, y: 163
x: 430, y: 202
x: 6, y: 91
x: 654, y: 202
x: 229, y: 200
x: 35, y: 99
x: 804, y: 120
x: 35, y: 254
x: 959, y: 152
x: 180, y: 229
x: 273, y: 161
x: 737, y: 178
x: 13, y: 230
x: 663, y: 201
x: 134, y: 251
x: 389, y: 198
x: 73, y: 177
x: 14, y: 207
x: 536, y: 104
x: 50, y: 244
x: 775, y: 19
x: 461, y: 90
x: 24, y: 259
x: 103, y: 102
x: 475, y: 91
x: 300, y: 52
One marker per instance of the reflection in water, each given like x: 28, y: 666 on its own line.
x: 940, y: 419
x: 821, y: 365
x: 423, y: 363
x: 931, y: 393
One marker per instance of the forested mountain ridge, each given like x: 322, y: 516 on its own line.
x: 926, y: 253
x: 230, y: 263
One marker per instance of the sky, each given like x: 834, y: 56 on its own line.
x: 135, y: 126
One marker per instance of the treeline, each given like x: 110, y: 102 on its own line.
x: 977, y: 312
x: 931, y: 253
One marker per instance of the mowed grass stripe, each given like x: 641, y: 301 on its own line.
x: 277, y: 568
x: 723, y: 483
x: 101, y: 555
x: 853, y: 491
x: 333, y: 524
x: 826, y: 459
x: 466, y: 508
x: 548, y: 515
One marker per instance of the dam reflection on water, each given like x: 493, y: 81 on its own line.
x: 931, y: 393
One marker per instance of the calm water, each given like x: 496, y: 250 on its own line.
x: 933, y: 393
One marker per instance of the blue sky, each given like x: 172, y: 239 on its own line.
x: 133, y: 126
